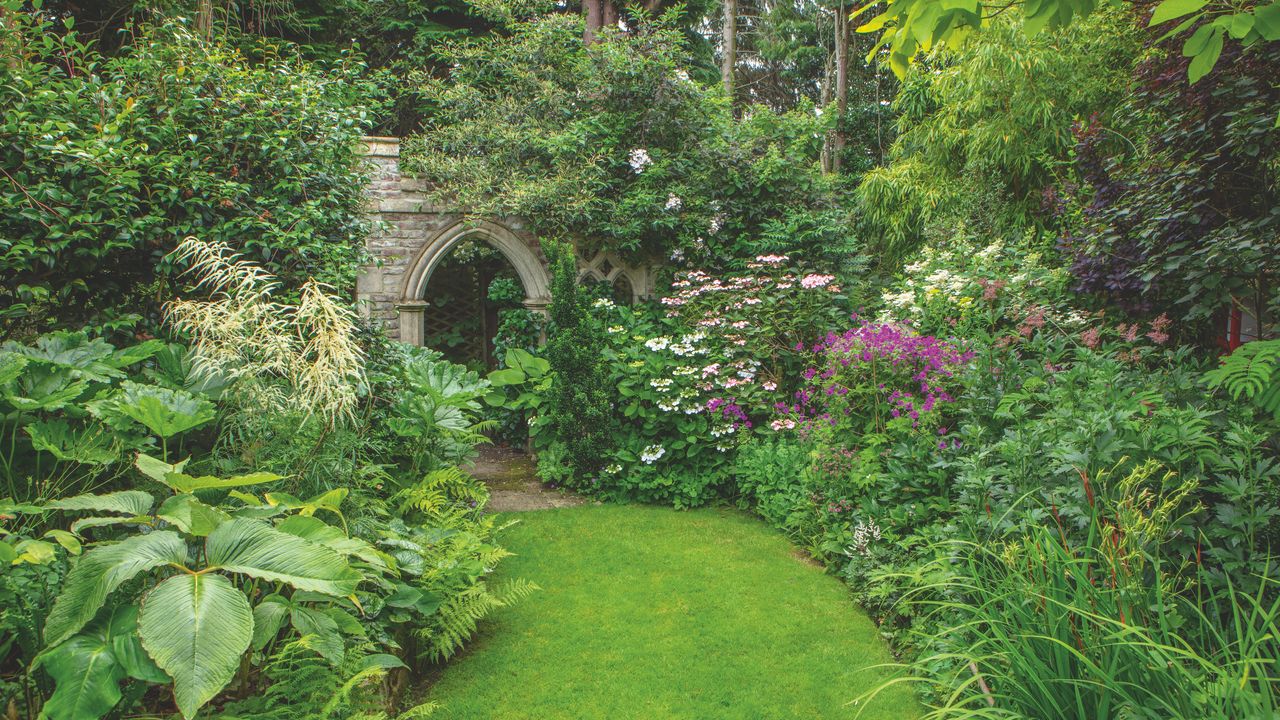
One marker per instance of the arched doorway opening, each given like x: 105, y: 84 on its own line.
x: 446, y: 300
x: 467, y: 297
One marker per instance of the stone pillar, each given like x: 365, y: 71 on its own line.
x: 537, y: 305
x: 413, y: 325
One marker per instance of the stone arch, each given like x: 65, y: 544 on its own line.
x: 529, y: 267
x: 412, y: 235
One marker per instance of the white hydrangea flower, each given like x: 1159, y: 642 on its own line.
x: 639, y: 160
x: 652, y: 454
x: 658, y: 344
x: 717, y: 222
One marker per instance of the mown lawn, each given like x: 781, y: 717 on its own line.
x: 651, y: 613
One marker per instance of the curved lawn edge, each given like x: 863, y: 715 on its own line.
x: 648, y: 612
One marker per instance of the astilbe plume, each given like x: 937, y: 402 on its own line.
x: 300, y: 357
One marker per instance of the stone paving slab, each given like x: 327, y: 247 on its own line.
x: 511, y: 477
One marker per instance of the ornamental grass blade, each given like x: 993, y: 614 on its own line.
x: 196, y: 627
x: 256, y: 549
x: 100, y: 571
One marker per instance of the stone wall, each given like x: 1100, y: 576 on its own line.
x: 412, y: 237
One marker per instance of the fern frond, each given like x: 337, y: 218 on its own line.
x: 418, y: 712
x: 462, y: 613
x: 1253, y: 372
x: 513, y: 591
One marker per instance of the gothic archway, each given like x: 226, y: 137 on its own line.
x: 528, y: 265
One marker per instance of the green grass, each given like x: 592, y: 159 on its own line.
x: 652, y: 613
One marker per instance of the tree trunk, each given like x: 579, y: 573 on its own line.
x: 204, y: 18
x: 842, y: 86
x: 824, y: 99
x: 594, y: 12
x: 730, y: 45
x: 610, y: 13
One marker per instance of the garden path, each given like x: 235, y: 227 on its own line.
x: 511, y: 477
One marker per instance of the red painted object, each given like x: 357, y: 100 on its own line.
x: 1234, y: 322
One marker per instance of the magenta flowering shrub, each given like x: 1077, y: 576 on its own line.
x: 876, y: 377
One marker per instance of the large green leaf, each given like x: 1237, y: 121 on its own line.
x: 506, y: 376
x: 90, y: 446
x: 128, y: 650
x: 196, y: 627
x: 164, y: 411
x: 125, y: 502
x: 79, y: 526
x: 268, y: 618
x: 11, y: 366
x: 172, y: 476
x: 68, y: 541
x: 45, y: 391
x: 134, y: 354
x: 318, y: 531
x: 88, y: 668
x: 321, y: 632
x: 100, y: 571
x: 526, y: 362
x: 73, y: 352
x: 86, y: 679
x: 35, y: 552
x: 1266, y: 20
x: 184, y: 483
x: 155, y: 469
x: 1173, y: 9
x: 1204, y: 60
x: 254, y: 548
x: 190, y: 515
x: 330, y: 500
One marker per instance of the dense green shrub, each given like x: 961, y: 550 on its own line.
x: 1184, y: 219
x: 371, y: 558
x: 978, y: 141
x: 613, y: 143
x: 579, y: 406
x: 72, y: 412
x: 1055, y: 415
x: 109, y: 162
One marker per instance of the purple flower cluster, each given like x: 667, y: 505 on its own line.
x: 877, y: 371
x: 729, y: 410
